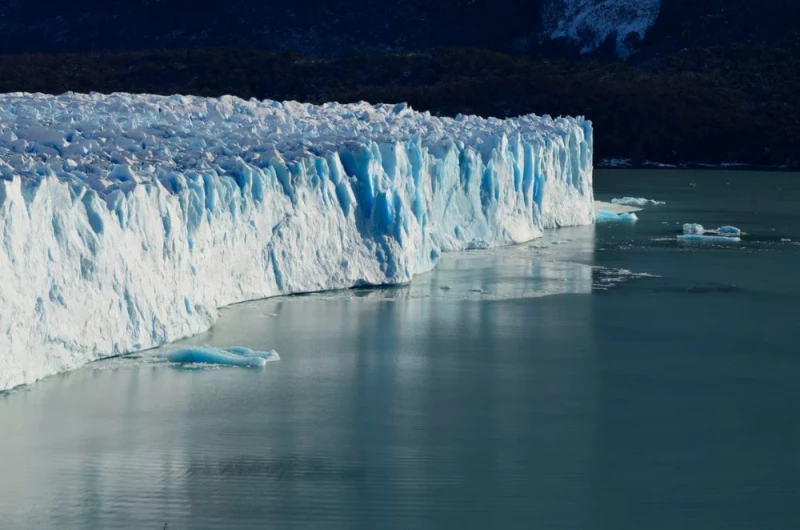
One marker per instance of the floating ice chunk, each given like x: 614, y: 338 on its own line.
x: 693, y: 228
x: 614, y: 162
x: 614, y: 208
x: 635, y: 201
x: 723, y: 231
x: 270, y: 355
x: 604, y: 216
x: 235, y: 356
x: 729, y: 231
x: 700, y: 238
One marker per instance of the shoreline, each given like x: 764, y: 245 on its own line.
x: 605, y: 164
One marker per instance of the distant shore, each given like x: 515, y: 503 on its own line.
x: 726, y: 166
x: 695, y: 109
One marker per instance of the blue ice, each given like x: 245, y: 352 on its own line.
x: 729, y: 231
x: 604, y: 216
x: 234, y: 356
x: 724, y: 232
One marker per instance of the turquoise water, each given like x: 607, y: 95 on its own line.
x: 602, y: 378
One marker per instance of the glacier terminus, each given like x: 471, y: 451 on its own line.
x: 128, y: 220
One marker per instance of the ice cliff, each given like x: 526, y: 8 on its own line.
x: 127, y: 220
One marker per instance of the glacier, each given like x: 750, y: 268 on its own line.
x: 127, y: 220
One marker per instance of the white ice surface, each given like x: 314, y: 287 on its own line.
x: 604, y: 216
x: 614, y: 208
x: 636, y: 201
x: 128, y: 220
x: 723, y: 231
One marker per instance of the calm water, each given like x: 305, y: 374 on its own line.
x: 539, y: 386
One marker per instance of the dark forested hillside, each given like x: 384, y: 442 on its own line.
x: 695, y: 23
x: 713, y: 81
x: 337, y: 26
x: 304, y: 26
x: 704, y: 107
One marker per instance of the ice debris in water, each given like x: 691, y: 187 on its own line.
x: 701, y: 238
x: 725, y: 231
x: 729, y: 231
x: 693, y: 232
x: 604, y: 216
x: 234, y: 356
x: 128, y: 220
x: 634, y: 201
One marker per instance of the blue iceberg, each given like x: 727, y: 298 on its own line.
x: 604, y: 216
x: 696, y: 233
x: 234, y: 356
x: 729, y: 231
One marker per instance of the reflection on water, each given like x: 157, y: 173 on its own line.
x: 559, y: 263
x: 389, y: 407
x: 468, y: 399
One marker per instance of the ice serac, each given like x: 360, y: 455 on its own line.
x: 127, y: 220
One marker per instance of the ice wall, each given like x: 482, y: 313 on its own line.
x: 127, y: 220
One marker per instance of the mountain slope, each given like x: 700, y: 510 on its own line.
x: 337, y: 26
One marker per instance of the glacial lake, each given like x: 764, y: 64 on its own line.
x: 603, y: 377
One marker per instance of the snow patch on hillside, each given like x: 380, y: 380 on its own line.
x: 591, y: 22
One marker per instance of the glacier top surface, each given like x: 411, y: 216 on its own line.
x: 138, y: 138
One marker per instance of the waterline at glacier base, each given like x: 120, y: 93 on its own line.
x: 128, y: 220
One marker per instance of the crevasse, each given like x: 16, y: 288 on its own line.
x: 128, y: 220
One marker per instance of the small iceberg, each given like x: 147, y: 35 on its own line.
x: 723, y: 234
x: 604, y: 216
x: 729, y: 231
x: 234, y: 356
x: 636, y: 201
